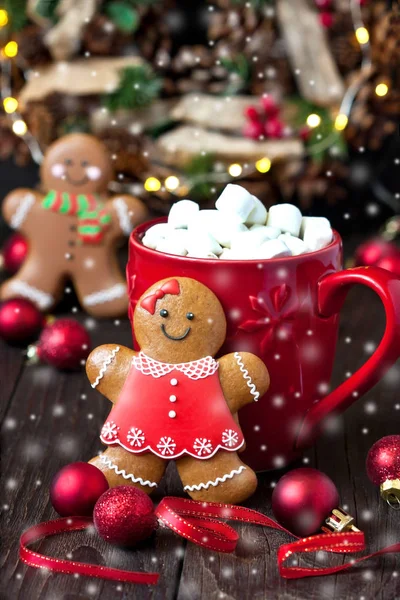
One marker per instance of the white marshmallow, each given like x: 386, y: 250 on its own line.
x: 316, y: 221
x: 316, y: 237
x: 203, y: 255
x: 236, y: 200
x: 172, y: 245
x: 285, y: 217
x: 182, y: 213
x: 227, y: 254
x: 258, y: 215
x: 156, y: 233
x: 271, y: 232
x: 202, y: 243
x: 295, y: 245
x: 273, y: 249
x: 222, y: 227
x: 245, y: 244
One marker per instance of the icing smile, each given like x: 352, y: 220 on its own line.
x: 171, y: 337
x: 82, y: 181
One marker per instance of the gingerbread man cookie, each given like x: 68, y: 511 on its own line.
x: 73, y: 230
x: 173, y: 400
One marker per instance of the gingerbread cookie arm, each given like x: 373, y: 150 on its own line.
x: 107, y: 368
x: 126, y: 212
x: 244, y: 378
x: 18, y: 206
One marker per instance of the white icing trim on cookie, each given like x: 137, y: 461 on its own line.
x: 205, y: 486
x: 42, y: 299
x: 116, y: 291
x: 123, y: 216
x: 246, y: 376
x: 108, y: 463
x: 103, y: 369
x: 22, y: 210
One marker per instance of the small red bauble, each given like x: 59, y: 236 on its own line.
x: 253, y: 130
x: 14, y: 253
x: 63, y: 344
x: 303, y: 499
x: 76, y: 488
x: 371, y: 252
x: 383, y: 468
x: 252, y: 113
x: 271, y: 108
x: 20, y: 320
x: 326, y: 20
x: 390, y: 263
x: 273, y: 128
x: 124, y: 515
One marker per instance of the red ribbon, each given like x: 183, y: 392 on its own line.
x: 149, y: 302
x: 199, y: 522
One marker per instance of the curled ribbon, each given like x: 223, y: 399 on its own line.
x: 199, y: 522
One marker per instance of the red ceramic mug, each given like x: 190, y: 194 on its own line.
x: 285, y: 310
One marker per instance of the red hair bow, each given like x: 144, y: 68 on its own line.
x: 149, y: 302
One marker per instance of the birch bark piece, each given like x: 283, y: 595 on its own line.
x: 181, y: 145
x: 77, y: 78
x: 134, y: 121
x: 309, y: 53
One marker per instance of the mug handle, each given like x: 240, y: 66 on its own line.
x: 332, y: 291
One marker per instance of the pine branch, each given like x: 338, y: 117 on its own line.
x: 138, y: 87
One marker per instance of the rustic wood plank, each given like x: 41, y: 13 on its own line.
x: 180, y: 146
x: 317, y: 75
x: 58, y: 418
x: 213, y: 112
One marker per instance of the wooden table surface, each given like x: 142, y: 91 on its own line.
x: 51, y: 418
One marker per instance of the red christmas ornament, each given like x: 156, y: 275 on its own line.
x: 252, y: 113
x: 20, y: 320
x: 390, y: 263
x: 253, y: 130
x: 371, y: 252
x: 326, y: 20
x: 270, y: 106
x: 76, y: 488
x: 124, y: 515
x: 303, y: 499
x: 14, y: 253
x: 383, y: 468
x: 273, y: 128
x: 63, y: 344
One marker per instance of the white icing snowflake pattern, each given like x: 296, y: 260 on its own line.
x: 166, y: 446
x: 230, y: 438
x: 135, y: 437
x: 109, y: 431
x: 202, y: 446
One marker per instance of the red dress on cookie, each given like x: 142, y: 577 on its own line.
x: 172, y: 410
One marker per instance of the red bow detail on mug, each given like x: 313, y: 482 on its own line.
x: 200, y: 523
x: 149, y: 302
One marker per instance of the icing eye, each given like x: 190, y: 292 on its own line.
x: 68, y: 162
x: 190, y: 316
x: 163, y: 313
x: 84, y: 163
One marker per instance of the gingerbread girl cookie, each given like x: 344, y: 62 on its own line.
x: 173, y: 400
x: 73, y: 230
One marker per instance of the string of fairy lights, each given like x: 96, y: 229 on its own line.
x: 179, y: 185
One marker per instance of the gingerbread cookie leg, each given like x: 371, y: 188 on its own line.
x: 222, y: 478
x: 102, y: 290
x: 120, y: 467
x: 41, y: 284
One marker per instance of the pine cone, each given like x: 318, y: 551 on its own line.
x: 101, y: 37
x: 31, y: 47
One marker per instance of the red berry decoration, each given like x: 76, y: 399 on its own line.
x: 20, y: 320
x: 271, y: 108
x: 303, y: 499
x: 14, y: 253
x: 252, y: 113
x: 326, y: 20
x: 76, y: 488
x: 63, y: 344
x: 124, y: 515
x: 383, y: 468
x: 371, y: 252
x: 273, y: 128
x: 253, y: 130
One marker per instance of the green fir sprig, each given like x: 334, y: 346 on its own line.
x: 138, y: 87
